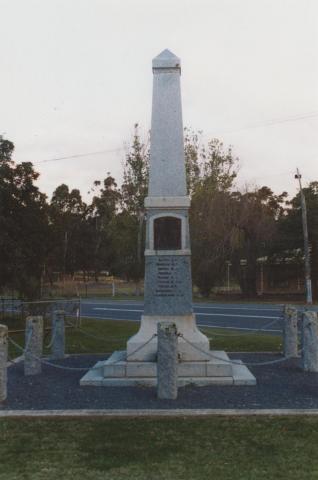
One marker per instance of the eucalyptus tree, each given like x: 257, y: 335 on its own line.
x: 23, y: 225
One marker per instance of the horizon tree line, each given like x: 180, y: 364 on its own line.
x: 39, y: 236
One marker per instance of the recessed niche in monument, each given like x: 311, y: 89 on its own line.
x: 167, y: 233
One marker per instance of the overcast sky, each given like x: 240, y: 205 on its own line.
x: 75, y: 75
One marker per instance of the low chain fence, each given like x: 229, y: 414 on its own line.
x: 47, y: 321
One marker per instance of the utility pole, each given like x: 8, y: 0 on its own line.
x: 64, y: 258
x: 306, y: 243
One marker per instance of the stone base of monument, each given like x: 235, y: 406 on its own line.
x: 117, y: 371
x: 197, y: 365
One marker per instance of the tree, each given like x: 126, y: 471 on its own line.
x: 192, y: 148
x: 102, y: 218
x: 23, y: 225
x: 291, y: 234
x: 68, y: 216
x: 256, y: 214
x: 213, y: 170
x: 134, y: 190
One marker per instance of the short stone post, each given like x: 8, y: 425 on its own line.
x: 290, y: 332
x: 310, y: 341
x: 33, y: 345
x: 167, y: 361
x: 58, y: 334
x: 3, y: 361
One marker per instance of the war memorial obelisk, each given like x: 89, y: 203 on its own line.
x: 168, y: 284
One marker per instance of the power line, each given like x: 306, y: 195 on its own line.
x: 77, y: 155
x: 259, y: 125
x: 269, y: 123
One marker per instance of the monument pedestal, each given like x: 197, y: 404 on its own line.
x: 138, y: 364
x: 118, y: 371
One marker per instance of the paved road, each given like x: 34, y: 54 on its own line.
x: 230, y: 316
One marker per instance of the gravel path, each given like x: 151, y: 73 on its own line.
x: 282, y: 385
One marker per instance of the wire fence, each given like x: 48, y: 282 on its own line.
x: 14, y: 311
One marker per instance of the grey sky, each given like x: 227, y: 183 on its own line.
x: 75, y: 76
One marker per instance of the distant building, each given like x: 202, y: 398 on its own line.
x: 280, y: 275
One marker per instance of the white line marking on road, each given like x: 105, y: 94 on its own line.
x: 199, y: 324
x: 236, y: 328
x: 234, y: 315
x: 197, y: 313
x: 223, y: 307
x: 196, y: 306
x: 117, y: 309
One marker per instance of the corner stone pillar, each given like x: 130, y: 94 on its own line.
x: 290, y: 332
x: 167, y: 362
x: 33, y: 345
x: 310, y: 342
x: 58, y: 332
x: 3, y: 361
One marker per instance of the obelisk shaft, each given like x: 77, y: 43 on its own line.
x: 167, y: 165
x: 168, y: 285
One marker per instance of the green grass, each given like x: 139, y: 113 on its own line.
x: 153, y: 449
x: 113, y: 335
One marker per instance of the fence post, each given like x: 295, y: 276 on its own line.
x: 310, y: 341
x: 80, y: 312
x: 33, y: 345
x: 58, y: 333
x: 3, y: 361
x: 290, y: 329
x: 2, y: 308
x: 167, y: 361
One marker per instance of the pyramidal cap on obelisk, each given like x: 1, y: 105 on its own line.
x: 168, y: 285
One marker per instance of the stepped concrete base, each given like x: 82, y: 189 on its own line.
x: 117, y: 371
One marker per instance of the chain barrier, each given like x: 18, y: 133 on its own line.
x: 45, y: 362
x: 233, y: 362
x: 141, y: 346
x: 91, y: 335
x: 52, y: 338
x: 256, y: 331
x: 61, y: 367
x: 134, y: 351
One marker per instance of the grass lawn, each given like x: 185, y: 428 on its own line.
x: 110, y: 335
x: 150, y: 449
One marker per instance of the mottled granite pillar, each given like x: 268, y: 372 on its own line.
x: 58, y: 332
x: 167, y: 361
x: 168, y: 282
x: 290, y: 332
x: 33, y: 345
x: 3, y: 361
x: 310, y: 341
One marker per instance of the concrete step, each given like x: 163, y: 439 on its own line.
x: 117, y: 367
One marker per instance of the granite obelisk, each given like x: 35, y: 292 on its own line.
x: 168, y: 284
